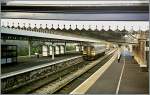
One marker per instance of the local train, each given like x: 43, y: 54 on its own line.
x: 92, y: 52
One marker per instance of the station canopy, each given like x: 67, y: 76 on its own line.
x: 79, y: 10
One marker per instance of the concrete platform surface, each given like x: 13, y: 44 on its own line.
x: 125, y: 77
x: 30, y: 62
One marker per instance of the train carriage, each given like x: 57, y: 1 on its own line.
x: 92, y: 52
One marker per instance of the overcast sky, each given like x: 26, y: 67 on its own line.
x: 144, y: 25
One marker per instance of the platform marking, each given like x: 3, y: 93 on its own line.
x: 118, y: 86
x: 82, y: 89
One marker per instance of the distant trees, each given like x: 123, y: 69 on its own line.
x: 70, y: 48
x: 36, y: 47
x: 23, y: 51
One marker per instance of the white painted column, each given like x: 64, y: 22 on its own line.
x: 53, y: 51
x: 65, y: 47
x: 29, y: 48
x: 59, y: 49
x: 50, y: 50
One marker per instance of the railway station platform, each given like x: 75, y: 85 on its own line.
x: 123, y: 77
x: 27, y: 62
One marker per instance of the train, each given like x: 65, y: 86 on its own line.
x: 92, y: 52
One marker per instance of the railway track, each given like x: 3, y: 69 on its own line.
x: 75, y: 83
x: 61, y: 85
x: 29, y: 88
x: 14, y: 81
x: 57, y: 81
